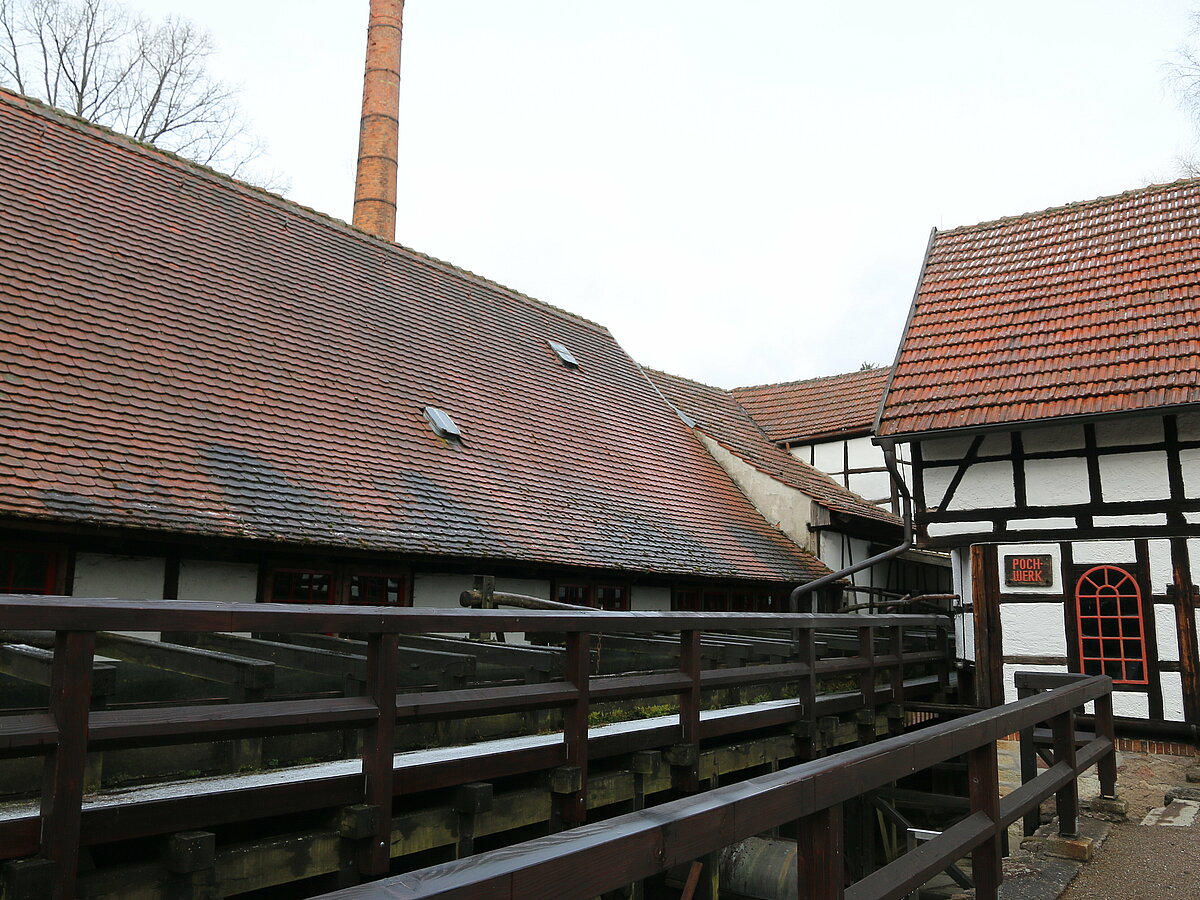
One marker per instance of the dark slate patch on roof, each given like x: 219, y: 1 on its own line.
x: 722, y: 418
x: 182, y: 352
x: 1090, y: 309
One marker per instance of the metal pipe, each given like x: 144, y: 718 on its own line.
x: 889, y: 458
x: 521, y: 601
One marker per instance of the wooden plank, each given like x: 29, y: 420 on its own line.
x: 1066, y: 800
x: 62, y: 781
x: 379, y: 740
x: 573, y: 807
x: 245, y: 673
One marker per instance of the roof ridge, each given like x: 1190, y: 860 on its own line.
x: 103, y: 132
x: 777, y: 384
x: 1064, y: 207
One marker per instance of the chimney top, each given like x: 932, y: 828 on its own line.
x: 379, y: 132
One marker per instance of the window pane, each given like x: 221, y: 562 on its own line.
x: 376, y: 590
x: 26, y: 571
x: 300, y: 587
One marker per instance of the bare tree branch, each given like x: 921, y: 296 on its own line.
x: 149, y: 80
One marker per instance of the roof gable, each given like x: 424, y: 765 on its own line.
x: 185, y: 353
x: 1090, y: 309
x: 718, y: 414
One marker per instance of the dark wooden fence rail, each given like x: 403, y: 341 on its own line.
x: 588, y: 861
x: 69, y: 729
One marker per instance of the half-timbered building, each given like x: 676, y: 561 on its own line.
x: 1048, y: 384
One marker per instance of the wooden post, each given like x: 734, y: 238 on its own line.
x: 806, y: 643
x: 1033, y: 818
x: 685, y: 757
x: 1185, y: 627
x: 374, y: 856
x: 989, y: 644
x: 985, y: 797
x: 866, y: 686
x: 62, y: 781
x: 943, y: 663
x: 1066, y: 800
x: 572, y: 806
x: 896, y: 713
x: 1106, y: 768
x: 820, y: 873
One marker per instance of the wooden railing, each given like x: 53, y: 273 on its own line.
x: 69, y: 729
x: 588, y: 861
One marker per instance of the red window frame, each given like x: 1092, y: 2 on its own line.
x: 1111, y: 625
x: 50, y: 581
x: 345, y: 584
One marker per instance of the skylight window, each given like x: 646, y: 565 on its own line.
x: 568, y: 359
x: 443, y: 425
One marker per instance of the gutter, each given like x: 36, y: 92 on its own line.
x: 889, y: 458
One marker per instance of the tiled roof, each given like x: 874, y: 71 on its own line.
x: 1089, y: 309
x: 722, y: 418
x: 182, y: 352
x: 798, y: 411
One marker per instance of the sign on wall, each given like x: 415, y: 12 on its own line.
x: 1029, y: 570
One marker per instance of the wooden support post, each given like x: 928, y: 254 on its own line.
x: 989, y: 645
x: 190, y: 860
x: 1185, y: 628
x: 984, y: 781
x: 820, y: 873
x: 62, y: 781
x: 896, y: 646
x: 374, y: 856
x: 1033, y: 818
x: 943, y: 663
x: 1106, y: 768
x: 806, y: 654
x: 866, y: 686
x: 685, y: 756
x: 572, y: 805
x: 469, y: 801
x: 1066, y: 801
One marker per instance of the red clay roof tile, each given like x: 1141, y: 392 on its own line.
x: 1088, y: 309
x: 182, y: 352
x: 818, y: 408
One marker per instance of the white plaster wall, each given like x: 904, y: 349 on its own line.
x: 1096, y: 552
x: 802, y: 452
x: 530, y: 587
x: 1166, y: 632
x: 1129, y: 432
x: 1190, y: 463
x: 983, y: 485
x: 1128, y: 703
x: 1048, y: 522
x: 957, y: 447
x: 1129, y: 521
x: 863, y: 453
x: 1033, y: 629
x: 829, y: 456
x: 1053, y: 439
x: 1160, y: 566
x: 228, y: 582
x: 652, y: 598
x: 1134, y: 476
x: 439, y: 591
x: 1056, y: 482
x: 1053, y: 550
x: 1188, y: 425
x: 873, y: 486
x: 124, y: 577
x: 949, y: 529
x: 1193, y: 546
x: 780, y: 504
x: 1172, y: 690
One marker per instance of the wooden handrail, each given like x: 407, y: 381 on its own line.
x: 593, y: 859
x: 69, y: 730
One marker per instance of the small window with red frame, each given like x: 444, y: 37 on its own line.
x: 575, y: 594
x: 687, y: 601
x: 612, y: 597
x: 298, y: 586
x: 376, y: 590
x: 28, y: 570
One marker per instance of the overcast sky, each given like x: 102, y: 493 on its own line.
x: 741, y: 192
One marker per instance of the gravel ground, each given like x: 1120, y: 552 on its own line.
x: 1140, y: 861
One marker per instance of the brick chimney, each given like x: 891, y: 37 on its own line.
x: 379, y: 133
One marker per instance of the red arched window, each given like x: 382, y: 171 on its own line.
x: 1108, y: 603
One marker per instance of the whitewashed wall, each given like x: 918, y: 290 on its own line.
x: 123, y: 577
x: 229, y: 582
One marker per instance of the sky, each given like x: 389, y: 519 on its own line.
x: 741, y: 192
